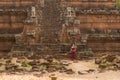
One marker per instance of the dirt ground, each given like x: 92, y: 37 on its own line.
x: 81, y: 66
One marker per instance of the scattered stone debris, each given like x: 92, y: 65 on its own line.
x: 70, y: 71
x: 14, y: 60
x: 40, y: 65
x: 109, y: 62
x: 53, y: 77
x: 86, y: 71
x: 82, y: 72
x: 90, y: 70
x: 37, y: 75
x: 2, y: 68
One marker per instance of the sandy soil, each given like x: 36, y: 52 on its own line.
x: 81, y: 66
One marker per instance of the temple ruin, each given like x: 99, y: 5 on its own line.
x: 53, y: 25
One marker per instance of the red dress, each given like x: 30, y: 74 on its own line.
x: 73, y: 53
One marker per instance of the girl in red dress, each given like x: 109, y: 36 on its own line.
x: 73, y: 51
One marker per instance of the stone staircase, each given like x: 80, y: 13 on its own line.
x: 49, y: 40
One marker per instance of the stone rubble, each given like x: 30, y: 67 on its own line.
x: 40, y: 65
x: 108, y: 62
